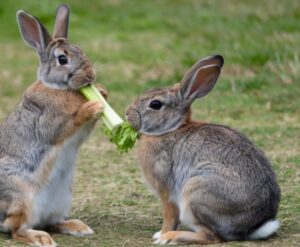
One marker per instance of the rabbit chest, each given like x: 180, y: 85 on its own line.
x: 52, y: 202
x: 157, y: 165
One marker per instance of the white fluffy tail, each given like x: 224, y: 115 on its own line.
x: 265, y: 230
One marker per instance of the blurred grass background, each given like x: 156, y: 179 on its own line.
x: 137, y: 45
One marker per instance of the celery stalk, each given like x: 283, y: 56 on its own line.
x: 119, y: 131
x: 110, y: 118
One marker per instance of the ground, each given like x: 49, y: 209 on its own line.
x: 137, y: 45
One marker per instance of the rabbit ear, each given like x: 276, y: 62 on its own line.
x: 61, y: 22
x: 201, y: 78
x: 32, y: 31
x: 211, y: 60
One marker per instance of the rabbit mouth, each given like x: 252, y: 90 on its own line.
x: 134, y: 117
x: 77, y: 81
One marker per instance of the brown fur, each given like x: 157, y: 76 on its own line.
x: 170, y: 214
x: 79, y: 112
x: 15, y: 220
x: 44, y: 171
x: 72, y: 227
x: 218, y: 182
x: 185, y: 237
x: 18, y: 212
x: 40, y: 138
x: 34, y: 237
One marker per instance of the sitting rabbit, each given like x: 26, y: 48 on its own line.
x: 209, y: 177
x: 40, y: 138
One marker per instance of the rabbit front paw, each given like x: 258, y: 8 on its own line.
x: 102, y: 90
x: 88, y: 111
x: 93, y: 109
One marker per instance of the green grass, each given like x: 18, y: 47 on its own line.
x: 137, y: 45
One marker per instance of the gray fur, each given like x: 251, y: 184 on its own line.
x: 39, y: 139
x: 61, y: 27
x: 50, y: 72
x: 228, y: 182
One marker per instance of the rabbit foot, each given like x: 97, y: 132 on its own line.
x: 185, y: 237
x: 35, y: 238
x: 74, y: 227
x: 156, y: 235
x: 161, y: 242
x: 163, y: 239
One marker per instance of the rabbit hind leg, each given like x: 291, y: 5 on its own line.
x: 34, y: 237
x: 20, y: 230
x: 73, y: 227
x: 186, y: 237
x: 201, y: 234
x: 16, y: 207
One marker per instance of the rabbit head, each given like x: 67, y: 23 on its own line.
x: 62, y: 65
x: 159, y: 111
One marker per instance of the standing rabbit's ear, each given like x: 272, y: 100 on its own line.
x: 201, y: 78
x: 61, y: 22
x: 32, y: 31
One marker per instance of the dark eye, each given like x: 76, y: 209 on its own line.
x: 62, y: 59
x: 155, y: 104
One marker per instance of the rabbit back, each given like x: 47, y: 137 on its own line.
x: 212, y: 174
x: 215, y: 175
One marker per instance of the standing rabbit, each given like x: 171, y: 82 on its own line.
x: 40, y: 138
x: 209, y: 177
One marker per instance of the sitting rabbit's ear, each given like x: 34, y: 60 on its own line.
x: 61, y: 22
x: 32, y: 31
x: 201, y: 78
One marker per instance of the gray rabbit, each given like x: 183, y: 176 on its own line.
x: 209, y: 177
x: 40, y: 137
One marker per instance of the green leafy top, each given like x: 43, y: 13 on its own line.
x: 123, y: 137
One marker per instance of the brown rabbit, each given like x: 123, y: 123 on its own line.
x: 40, y: 138
x: 209, y: 177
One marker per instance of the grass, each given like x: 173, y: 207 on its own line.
x: 137, y: 45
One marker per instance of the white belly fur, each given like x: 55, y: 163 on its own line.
x: 53, y: 202
x: 186, y: 216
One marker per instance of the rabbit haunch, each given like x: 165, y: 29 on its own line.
x: 209, y: 177
x: 40, y: 138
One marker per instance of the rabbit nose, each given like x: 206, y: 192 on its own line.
x: 134, y: 118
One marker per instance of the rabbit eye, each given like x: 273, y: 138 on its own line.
x: 156, y: 105
x: 62, y: 59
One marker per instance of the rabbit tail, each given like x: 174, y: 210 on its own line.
x: 264, y: 231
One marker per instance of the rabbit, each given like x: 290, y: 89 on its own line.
x: 40, y: 138
x: 209, y: 177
